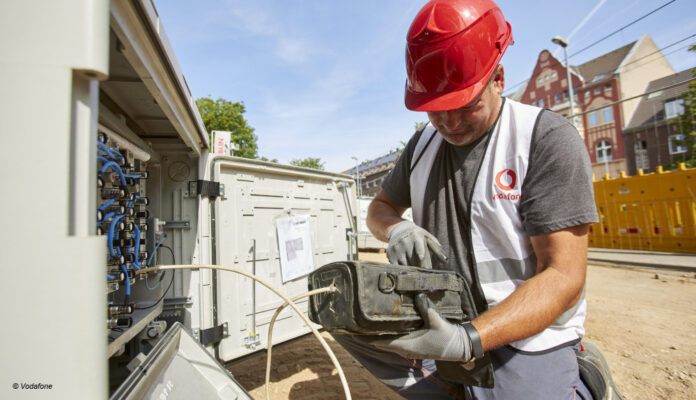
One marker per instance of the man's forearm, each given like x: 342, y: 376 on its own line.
x: 530, y: 309
x: 382, y: 215
x: 538, y: 302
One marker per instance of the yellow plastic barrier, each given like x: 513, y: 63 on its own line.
x: 654, y: 212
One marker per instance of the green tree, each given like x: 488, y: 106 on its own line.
x: 687, y: 125
x: 224, y: 115
x: 309, y: 162
x: 419, y: 125
x: 273, y: 160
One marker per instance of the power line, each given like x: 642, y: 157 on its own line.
x: 622, y: 28
x: 510, y: 90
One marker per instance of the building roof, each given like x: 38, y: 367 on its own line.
x: 376, y: 164
x: 651, y: 108
x: 517, y: 94
x: 604, y: 66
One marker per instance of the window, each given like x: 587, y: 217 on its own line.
x: 674, y: 108
x: 534, y: 103
x: 575, y: 91
x: 603, y: 151
x: 541, y: 103
x: 676, y: 144
x: 641, y: 150
x: 607, y: 86
x: 607, y: 115
x: 565, y: 94
x: 558, y: 97
x: 554, y: 74
x: 593, y: 118
x: 597, y: 90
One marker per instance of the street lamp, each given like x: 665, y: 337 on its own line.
x: 564, y: 43
x: 357, y: 176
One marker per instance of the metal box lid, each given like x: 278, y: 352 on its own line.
x: 178, y: 367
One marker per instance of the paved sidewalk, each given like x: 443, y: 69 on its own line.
x: 675, y: 261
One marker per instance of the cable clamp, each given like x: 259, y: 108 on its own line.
x: 211, y: 335
x: 206, y: 188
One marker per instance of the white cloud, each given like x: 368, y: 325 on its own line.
x: 292, y: 50
x: 259, y: 20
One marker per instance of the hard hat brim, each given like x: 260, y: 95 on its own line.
x: 446, y: 101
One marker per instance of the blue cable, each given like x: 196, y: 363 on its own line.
x: 154, y: 251
x: 136, y: 263
x: 113, y: 165
x: 149, y: 263
x: 108, y: 203
x: 106, y: 217
x: 125, y: 271
x: 108, y: 164
x: 109, y: 276
x: 147, y: 284
x: 112, y: 152
x: 130, y: 202
x: 118, y: 249
x: 110, y: 236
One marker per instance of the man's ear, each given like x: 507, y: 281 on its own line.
x: 498, y: 84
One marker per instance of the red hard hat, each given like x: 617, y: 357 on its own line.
x: 453, y: 48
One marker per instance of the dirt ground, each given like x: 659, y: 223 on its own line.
x: 644, y: 321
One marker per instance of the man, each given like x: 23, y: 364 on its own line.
x: 502, y: 193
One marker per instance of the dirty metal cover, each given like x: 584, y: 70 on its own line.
x: 378, y: 299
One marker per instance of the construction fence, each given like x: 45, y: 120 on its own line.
x: 655, y: 212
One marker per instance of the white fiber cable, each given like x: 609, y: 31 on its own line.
x: 270, y: 334
x: 326, y: 347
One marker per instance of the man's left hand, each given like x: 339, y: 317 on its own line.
x: 438, y: 340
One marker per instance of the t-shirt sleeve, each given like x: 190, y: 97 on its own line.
x: 396, y: 184
x: 557, y: 192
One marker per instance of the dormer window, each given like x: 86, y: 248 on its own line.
x: 673, y: 108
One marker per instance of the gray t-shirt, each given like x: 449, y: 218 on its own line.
x: 557, y: 192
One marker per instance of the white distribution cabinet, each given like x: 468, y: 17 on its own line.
x: 106, y: 163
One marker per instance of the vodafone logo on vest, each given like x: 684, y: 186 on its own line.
x: 506, y: 180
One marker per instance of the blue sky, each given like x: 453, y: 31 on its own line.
x: 326, y: 78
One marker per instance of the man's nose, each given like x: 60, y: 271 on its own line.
x: 446, y: 119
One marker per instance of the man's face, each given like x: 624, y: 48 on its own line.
x: 464, y: 125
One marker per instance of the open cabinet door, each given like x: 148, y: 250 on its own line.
x: 258, y: 198
x: 179, y: 368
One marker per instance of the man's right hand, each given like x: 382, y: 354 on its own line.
x: 410, y: 244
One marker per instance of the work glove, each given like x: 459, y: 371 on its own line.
x: 438, y: 340
x: 409, y: 244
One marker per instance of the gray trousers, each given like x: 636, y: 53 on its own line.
x: 520, y: 376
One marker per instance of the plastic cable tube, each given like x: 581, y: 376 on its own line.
x: 270, y: 333
x: 306, y: 320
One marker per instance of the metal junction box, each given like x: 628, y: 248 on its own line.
x: 107, y: 170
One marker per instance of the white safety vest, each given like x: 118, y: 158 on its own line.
x: 503, y: 254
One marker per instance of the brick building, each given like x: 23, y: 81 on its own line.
x: 598, y: 86
x: 373, y: 172
x: 650, y: 133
